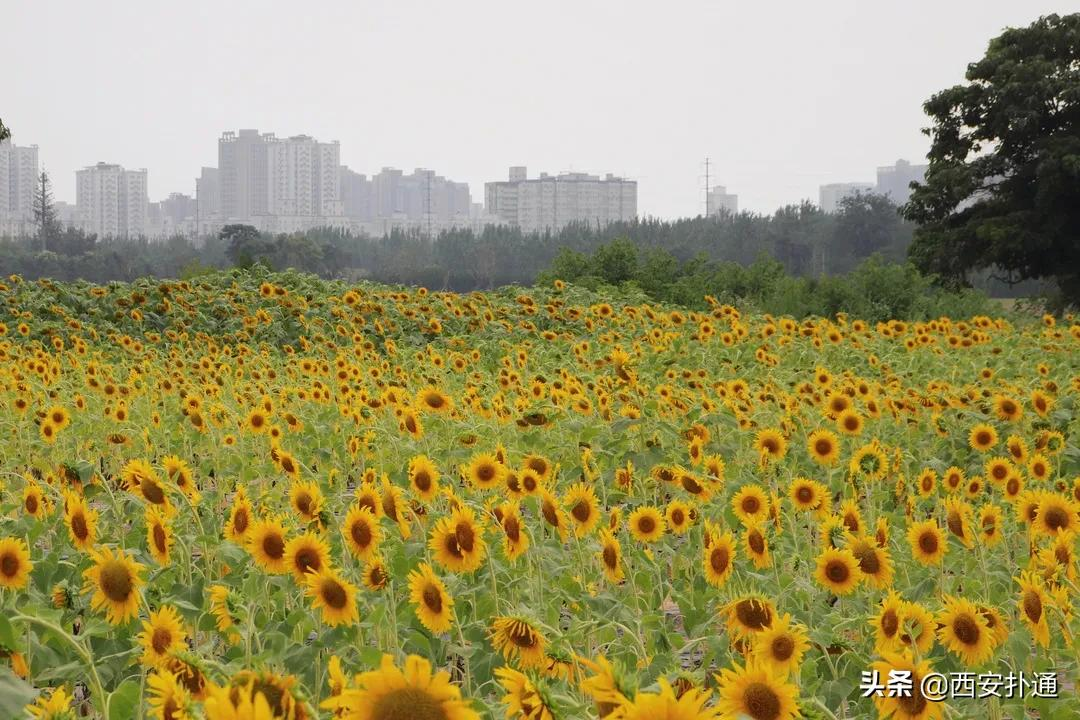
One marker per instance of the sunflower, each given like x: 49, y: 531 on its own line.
x: 963, y: 630
x: 434, y: 606
x: 755, y: 691
x: 81, y: 521
x: 515, y: 538
x: 748, y: 615
x: 424, y: 478
x: 806, y: 494
x: 553, y: 515
x: 334, y: 595
x: 665, y: 704
x: 256, y: 696
x: 518, y: 640
x: 998, y: 469
x: 1056, y: 514
x: 824, y: 447
x: 220, y: 607
x: 680, y: 516
x: 911, y: 705
x: 179, y: 472
x: 367, y: 496
x: 523, y: 698
x: 927, y: 542
x: 34, y: 503
x: 874, y: 561
x: 611, y: 556
x: 1007, y: 409
x: 1032, y: 605
x: 375, y: 575
x: 757, y: 547
x: 580, y: 500
x: 887, y: 623
x: 457, y: 541
x: 115, y: 582
x: 917, y: 626
x: 236, y: 529
x: 770, y: 445
x: 751, y: 504
x: 646, y: 524
x: 257, y: 421
x: 361, y: 532
x: 484, y: 471
x: 54, y: 704
x: 958, y: 520
x: 990, y: 524
x: 168, y: 698
x: 609, y: 686
x: 781, y: 647
x: 849, y: 422
x: 395, y: 507
x: 266, y: 543
x: 162, y: 634
x: 306, y: 499
x: 719, y: 559
x: 142, y: 480
x: 432, y: 399
x: 999, y: 631
x: 954, y: 479
x: 869, y: 462
x: 926, y: 482
x: 15, y: 565
x: 410, y: 423
x: 982, y: 437
x: 838, y: 570
x: 159, y: 535
x: 390, y: 693
x: 306, y: 553
x: 851, y: 517
x: 539, y: 465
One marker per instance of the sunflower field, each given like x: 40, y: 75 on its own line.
x: 251, y: 495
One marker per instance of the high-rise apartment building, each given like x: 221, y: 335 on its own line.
x: 721, y: 201
x: 554, y: 201
x: 18, y: 178
x: 895, y: 180
x: 112, y: 201
x: 829, y: 196
x: 421, y: 198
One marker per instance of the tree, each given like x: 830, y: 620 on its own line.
x: 1002, y: 190
x: 866, y: 223
x: 244, y: 246
x: 4, y: 132
x: 44, y: 211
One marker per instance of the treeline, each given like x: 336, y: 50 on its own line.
x: 873, y: 290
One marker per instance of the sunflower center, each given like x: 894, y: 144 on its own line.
x: 361, y: 534
x: 966, y: 630
x: 31, y: 504
x: 485, y: 473
x: 611, y: 558
x: 890, y: 623
x: 690, y: 485
x: 1056, y: 518
x: 512, y: 528
x: 116, y: 581
x: 161, y: 640
x: 646, y: 525
x: 274, y: 546
x: 837, y: 571
x: 581, y: 511
x: 522, y: 636
x: 549, y: 513
x: 240, y: 521
x: 408, y: 703
x: 823, y: 446
x: 756, y: 542
x: 465, y: 537
x: 333, y: 594
x: 753, y: 614
x: 928, y: 543
x: 782, y: 648
x: 9, y: 565
x: 152, y: 491
x: 422, y: 481
x: 761, y: 702
x: 914, y: 704
x: 433, y: 599
x: 1033, y: 606
x: 804, y: 494
x: 868, y: 560
x: 78, y: 526
x: 159, y: 538
x: 677, y: 517
x: 750, y: 505
x: 718, y: 559
x: 303, y: 502
x: 307, y: 559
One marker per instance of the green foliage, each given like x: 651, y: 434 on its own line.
x: 1003, y: 185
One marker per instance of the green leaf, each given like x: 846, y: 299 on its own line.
x: 15, y: 694
x: 122, y: 700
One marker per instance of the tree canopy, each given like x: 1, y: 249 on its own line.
x: 4, y: 132
x: 1002, y: 190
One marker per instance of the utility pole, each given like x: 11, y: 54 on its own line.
x: 706, y: 186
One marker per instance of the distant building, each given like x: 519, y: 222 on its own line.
x: 18, y: 178
x: 392, y: 199
x: 722, y: 201
x: 829, y: 196
x: 112, y: 201
x: 895, y: 180
x: 207, y: 196
x: 67, y: 214
x: 175, y: 215
x: 554, y: 201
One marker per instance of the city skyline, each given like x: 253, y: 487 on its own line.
x: 822, y: 95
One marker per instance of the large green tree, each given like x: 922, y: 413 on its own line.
x: 1002, y: 190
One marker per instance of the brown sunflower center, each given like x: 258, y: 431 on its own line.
x: 914, y: 704
x: 161, y: 640
x: 678, y: 517
x: 408, y: 703
x: 159, y: 538
x: 928, y: 543
x: 719, y: 559
x: 751, y: 505
x: 433, y: 599
x: 465, y: 536
x: 240, y: 521
x: 79, y: 527
x: 837, y: 571
x: 823, y: 446
x: 303, y: 502
x: 753, y: 614
x: 869, y: 562
x: 966, y: 630
x: 611, y: 557
x: 274, y: 546
x: 782, y: 648
x: 761, y: 702
x: 646, y: 525
x: 9, y: 565
x: 581, y: 511
x: 756, y: 542
x: 512, y: 528
x: 1055, y: 518
x: 116, y: 581
x: 956, y: 524
x: 361, y: 533
x: 485, y: 472
x: 31, y: 504
x: 890, y: 623
x: 153, y: 492
x: 333, y: 594
x: 1033, y: 606
x: 422, y: 480
x: 804, y: 494
x: 308, y: 559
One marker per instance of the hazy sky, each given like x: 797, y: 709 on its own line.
x: 782, y: 96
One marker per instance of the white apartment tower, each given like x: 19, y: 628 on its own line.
x: 18, y: 177
x: 112, y: 201
x: 554, y: 201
